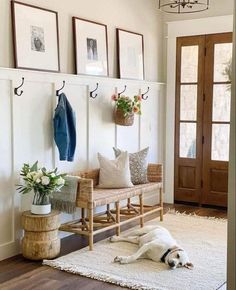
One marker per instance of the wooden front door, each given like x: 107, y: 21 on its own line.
x: 203, y: 93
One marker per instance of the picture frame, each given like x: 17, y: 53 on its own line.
x: 130, y: 54
x: 90, y: 47
x: 35, y: 37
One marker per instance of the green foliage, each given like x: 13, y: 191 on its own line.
x: 128, y: 105
x: 41, y: 181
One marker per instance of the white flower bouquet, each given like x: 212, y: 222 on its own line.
x: 41, y: 181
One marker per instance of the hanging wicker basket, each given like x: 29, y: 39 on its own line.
x: 122, y: 120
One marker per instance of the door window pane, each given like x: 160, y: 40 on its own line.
x: 189, y: 64
x: 187, y: 146
x: 221, y: 103
x: 220, y: 142
x: 188, y: 102
x: 223, y: 62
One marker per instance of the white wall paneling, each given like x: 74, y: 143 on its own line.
x: 151, y: 124
x: 7, y: 233
x: 102, y: 132
x: 128, y: 136
x: 27, y: 133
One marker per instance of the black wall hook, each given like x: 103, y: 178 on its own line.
x: 58, y: 91
x: 16, y: 89
x: 125, y: 87
x: 142, y: 95
x: 91, y: 92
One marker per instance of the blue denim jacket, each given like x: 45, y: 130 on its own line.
x: 65, y: 129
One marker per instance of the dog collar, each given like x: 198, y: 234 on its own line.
x: 168, y: 252
x: 165, y: 254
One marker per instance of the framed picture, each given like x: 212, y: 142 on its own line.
x: 91, y: 50
x: 130, y: 54
x: 36, y: 37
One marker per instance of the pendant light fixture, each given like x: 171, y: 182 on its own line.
x: 183, y: 6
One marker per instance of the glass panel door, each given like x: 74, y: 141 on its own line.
x: 203, y: 97
x: 217, y: 87
x: 188, y: 101
x: 189, y: 89
x: 222, y: 59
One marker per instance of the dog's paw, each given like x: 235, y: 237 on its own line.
x: 121, y: 259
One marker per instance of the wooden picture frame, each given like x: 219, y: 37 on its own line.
x: 35, y: 37
x: 130, y: 54
x: 90, y: 47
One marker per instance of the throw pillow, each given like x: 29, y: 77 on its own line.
x: 114, y: 173
x: 138, y: 165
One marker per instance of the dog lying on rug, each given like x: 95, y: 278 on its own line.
x: 155, y: 243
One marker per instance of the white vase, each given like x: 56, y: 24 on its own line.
x: 41, y: 209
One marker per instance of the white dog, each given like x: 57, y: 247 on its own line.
x: 155, y: 243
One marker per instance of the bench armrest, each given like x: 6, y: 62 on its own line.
x: 84, y: 197
x: 155, y: 172
x: 91, y: 174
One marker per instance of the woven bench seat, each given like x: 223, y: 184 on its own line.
x: 106, y: 196
x: 89, y: 197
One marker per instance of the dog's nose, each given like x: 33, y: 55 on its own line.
x: 171, y: 264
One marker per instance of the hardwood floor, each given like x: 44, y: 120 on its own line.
x: 18, y: 273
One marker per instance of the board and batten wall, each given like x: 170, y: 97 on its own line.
x: 140, y: 16
x: 26, y: 133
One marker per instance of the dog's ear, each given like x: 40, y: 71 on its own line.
x: 189, y: 266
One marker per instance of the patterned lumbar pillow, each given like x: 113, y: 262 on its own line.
x: 114, y: 173
x: 138, y: 165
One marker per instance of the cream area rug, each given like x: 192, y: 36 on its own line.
x: 203, y: 238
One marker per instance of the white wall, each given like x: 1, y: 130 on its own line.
x: 26, y: 133
x: 136, y: 15
x: 177, y: 29
x: 231, y: 278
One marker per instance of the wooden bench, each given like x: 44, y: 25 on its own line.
x: 89, y: 197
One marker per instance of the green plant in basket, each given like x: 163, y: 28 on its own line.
x: 128, y: 105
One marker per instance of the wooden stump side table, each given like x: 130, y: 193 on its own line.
x: 40, y: 239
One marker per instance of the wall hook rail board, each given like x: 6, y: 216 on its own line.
x: 58, y: 91
x: 143, y: 94
x: 125, y: 87
x: 17, y: 88
x: 93, y: 91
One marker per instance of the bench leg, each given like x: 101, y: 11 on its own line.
x: 108, y: 211
x: 83, y: 221
x: 90, y: 217
x: 141, y: 209
x: 161, y: 204
x: 128, y: 203
x: 118, y: 218
x: 82, y: 213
